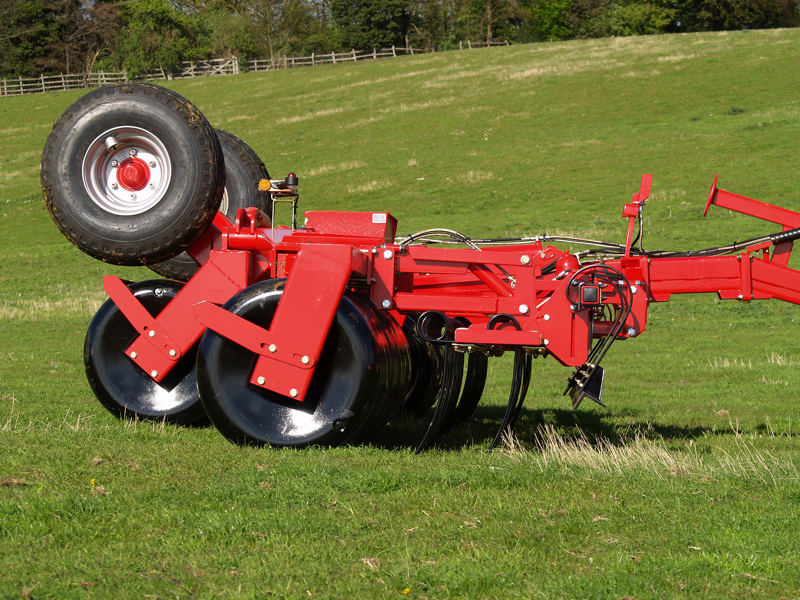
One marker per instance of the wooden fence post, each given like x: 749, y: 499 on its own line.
x: 469, y: 44
x: 460, y: 45
x: 393, y: 51
x: 313, y: 60
x: 354, y: 54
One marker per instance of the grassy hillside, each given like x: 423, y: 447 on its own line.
x: 695, y: 490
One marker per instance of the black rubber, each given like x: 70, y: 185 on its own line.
x: 243, y: 170
x: 428, y: 360
x: 120, y: 385
x: 361, y: 377
x: 189, y: 202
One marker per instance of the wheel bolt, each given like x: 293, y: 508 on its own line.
x: 133, y: 196
x: 114, y: 185
x: 293, y: 393
x: 132, y: 152
x: 152, y: 164
x: 114, y: 163
x: 261, y: 381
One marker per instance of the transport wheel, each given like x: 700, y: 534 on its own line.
x: 243, y: 170
x: 132, y: 173
x: 120, y: 385
x: 360, y: 378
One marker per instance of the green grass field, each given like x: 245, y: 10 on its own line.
x: 687, y: 485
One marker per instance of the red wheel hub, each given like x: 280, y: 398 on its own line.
x: 133, y: 174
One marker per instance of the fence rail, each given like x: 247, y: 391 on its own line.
x: 18, y: 86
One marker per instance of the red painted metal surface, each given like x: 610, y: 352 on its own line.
x: 529, y: 284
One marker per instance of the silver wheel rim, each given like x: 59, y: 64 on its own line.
x: 126, y: 171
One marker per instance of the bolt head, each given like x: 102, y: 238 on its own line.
x: 113, y: 186
x: 631, y: 331
x: 133, y: 196
x: 634, y: 289
x: 134, y: 355
x: 261, y: 381
x: 573, y: 307
x: 172, y: 353
x: 547, y: 317
x: 114, y: 163
x: 523, y: 308
x: 152, y: 333
x: 542, y: 255
x: 153, y: 374
x: 305, y: 360
x: 388, y: 254
x: 547, y: 342
x: 386, y: 303
x: 525, y: 259
x: 273, y: 348
x: 152, y: 164
x: 152, y: 186
x: 293, y: 393
x: 132, y: 152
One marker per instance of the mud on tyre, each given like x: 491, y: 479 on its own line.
x: 132, y: 173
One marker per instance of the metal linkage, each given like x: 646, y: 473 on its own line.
x: 484, y: 298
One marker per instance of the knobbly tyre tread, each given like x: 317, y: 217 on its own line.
x: 165, y: 239
x: 182, y: 267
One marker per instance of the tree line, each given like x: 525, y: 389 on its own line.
x: 70, y: 36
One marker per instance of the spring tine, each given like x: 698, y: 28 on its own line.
x: 477, y: 368
x: 453, y: 371
x: 513, y: 397
x: 526, y: 380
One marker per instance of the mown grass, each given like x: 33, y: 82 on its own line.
x: 686, y: 485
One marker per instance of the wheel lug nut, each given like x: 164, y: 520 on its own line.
x: 152, y: 185
x: 114, y: 163
x: 132, y: 152
x: 152, y: 164
x: 114, y: 186
x: 133, y: 196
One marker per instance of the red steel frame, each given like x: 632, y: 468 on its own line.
x: 356, y: 250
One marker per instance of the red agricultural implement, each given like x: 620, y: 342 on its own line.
x: 321, y: 333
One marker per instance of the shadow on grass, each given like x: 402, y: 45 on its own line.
x: 406, y: 431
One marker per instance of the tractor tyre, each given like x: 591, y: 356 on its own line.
x: 132, y: 173
x: 243, y: 170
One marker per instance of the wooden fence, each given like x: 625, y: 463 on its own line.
x: 289, y: 62
x: 17, y: 86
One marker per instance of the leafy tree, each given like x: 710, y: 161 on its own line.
x: 156, y: 34
x: 369, y: 23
